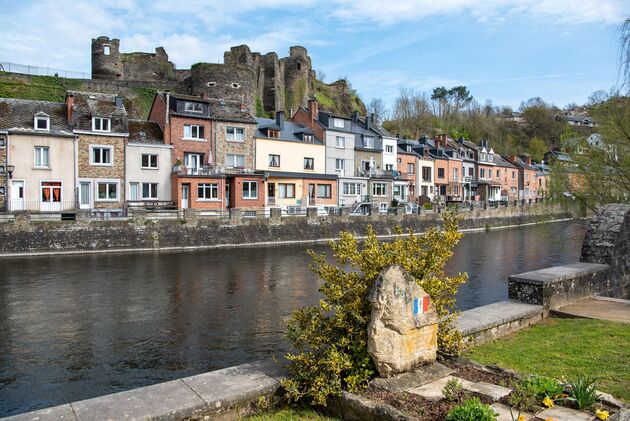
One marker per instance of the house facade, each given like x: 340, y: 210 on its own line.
x: 39, y: 146
x: 293, y: 160
x: 100, y: 122
x: 148, y: 165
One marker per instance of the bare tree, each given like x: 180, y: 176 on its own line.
x: 378, y: 109
x: 321, y: 75
x: 624, y: 54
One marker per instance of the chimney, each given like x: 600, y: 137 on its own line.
x: 373, y: 117
x: 355, y: 116
x: 69, y: 107
x: 118, y: 100
x: 280, y: 119
x: 313, y: 109
x: 527, y: 159
x: 461, y: 140
x: 368, y: 118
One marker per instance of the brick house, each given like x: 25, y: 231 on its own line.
x: 100, y: 121
x: 528, y: 177
x: 213, y: 153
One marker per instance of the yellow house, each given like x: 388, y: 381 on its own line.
x: 294, y: 161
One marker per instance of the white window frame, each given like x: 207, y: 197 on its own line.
x: 338, y: 144
x: 108, y: 182
x: 389, y: 149
x: 101, y: 164
x: 41, y: 118
x: 490, y: 157
x: 150, y: 167
x: 190, y: 106
x: 237, y: 134
x: 134, y: 186
x: 327, y: 191
x: 255, y: 191
x: 102, y: 120
x: 153, y: 191
x: 39, y: 157
x: 338, y: 122
x: 368, y: 142
x: 343, y: 164
x: 41, y: 189
x: 351, y: 189
x: 192, y: 128
x: 213, y: 189
x: 272, y: 160
x: 308, y: 138
x: 284, y: 189
x: 229, y: 164
x: 187, y: 158
x: 377, y: 187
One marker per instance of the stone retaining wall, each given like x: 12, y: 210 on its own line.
x: 24, y: 236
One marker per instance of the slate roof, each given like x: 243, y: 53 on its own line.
x: 143, y: 131
x: 502, y: 162
x: 215, y: 109
x: 291, y: 132
x: 18, y: 115
x: 95, y: 104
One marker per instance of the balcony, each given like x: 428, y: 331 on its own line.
x: 210, y: 170
x: 376, y: 173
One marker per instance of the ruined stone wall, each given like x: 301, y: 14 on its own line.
x: 236, y: 83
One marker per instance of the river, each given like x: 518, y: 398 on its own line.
x: 76, y: 327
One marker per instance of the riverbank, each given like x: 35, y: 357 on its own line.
x: 25, y: 237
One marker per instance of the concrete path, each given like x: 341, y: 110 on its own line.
x: 603, y: 308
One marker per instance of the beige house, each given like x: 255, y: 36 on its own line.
x: 100, y: 121
x: 40, y: 147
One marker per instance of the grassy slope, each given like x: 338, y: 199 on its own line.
x: 565, y: 347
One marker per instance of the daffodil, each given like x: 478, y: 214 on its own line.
x: 549, y: 419
x: 521, y: 418
x: 602, y: 415
x: 548, y: 402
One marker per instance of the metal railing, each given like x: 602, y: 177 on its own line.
x: 394, y: 174
x: 36, y: 206
x: 27, y: 69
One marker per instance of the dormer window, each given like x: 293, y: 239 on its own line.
x: 368, y: 142
x: 193, y: 107
x: 308, y: 138
x: 41, y: 122
x: 490, y: 157
x: 337, y: 122
x: 274, y: 134
x: 483, y: 156
x: 101, y: 124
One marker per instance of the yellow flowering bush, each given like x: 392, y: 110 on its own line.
x: 330, y: 340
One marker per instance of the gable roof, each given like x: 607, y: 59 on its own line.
x: 95, y: 104
x: 290, y: 133
x: 143, y: 131
x: 214, y: 108
x: 17, y: 115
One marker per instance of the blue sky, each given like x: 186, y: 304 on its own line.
x: 504, y: 50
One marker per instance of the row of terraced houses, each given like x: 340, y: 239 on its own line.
x: 212, y: 154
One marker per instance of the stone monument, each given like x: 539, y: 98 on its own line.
x: 402, y: 332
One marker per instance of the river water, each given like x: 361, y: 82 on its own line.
x: 76, y: 327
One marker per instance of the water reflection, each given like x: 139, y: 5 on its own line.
x: 77, y: 327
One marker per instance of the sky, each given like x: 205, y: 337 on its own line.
x: 505, y: 51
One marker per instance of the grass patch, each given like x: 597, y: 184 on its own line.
x: 141, y: 104
x: 290, y: 414
x: 42, y: 88
x: 564, y: 348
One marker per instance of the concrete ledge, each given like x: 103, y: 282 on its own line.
x: 486, y: 323
x: 230, y: 393
x: 557, y: 286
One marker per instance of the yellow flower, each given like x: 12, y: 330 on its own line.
x: 549, y: 419
x: 548, y: 402
x: 521, y: 418
x: 602, y: 415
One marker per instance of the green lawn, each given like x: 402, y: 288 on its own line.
x: 290, y: 414
x: 565, y: 347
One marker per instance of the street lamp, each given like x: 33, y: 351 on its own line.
x: 10, y: 169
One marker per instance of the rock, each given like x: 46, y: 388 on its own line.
x: 609, y: 400
x: 505, y: 415
x: 412, y: 379
x: 402, y: 332
x: 623, y: 415
x: 433, y: 391
x: 560, y: 413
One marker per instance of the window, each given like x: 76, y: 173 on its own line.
x: 235, y: 161
x: 274, y: 160
x: 498, y: 173
x: 379, y: 189
x: 470, y: 171
x: 42, y: 123
x: 274, y: 134
x: 149, y: 161
x: 337, y: 122
x: 207, y: 191
x: 455, y: 174
x: 235, y: 86
x: 286, y: 191
x: 382, y: 207
x: 411, y: 168
x: 440, y: 172
x: 193, y: 107
x: 490, y: 157
x: 483, y: 156
x: 389, y: 167
x: 389, y: 149
x: 513, y: 175
x: 41, y: 157
x: 107, y: 191
x: 192, y: 161
x: 399, y: 160
x: 149, y: 191
x: 101, y: 124
x: 51, y: 191
x: 250, y: 189
x: 352, y: 189
x: 133, y: 192
x: 106, y: 50
x: 324, y: 191
x: 340, y: 142
x: 235, y: 134
x: 101, y: 155
x: 490, y: 173
x: 339, y: 164
x: 426, y: 174
x: 3, y: 142
x: 308, y: 138
x: 309, y: 163
x: 368, y: 142
x: 193, y: 132
x: 483, y: 173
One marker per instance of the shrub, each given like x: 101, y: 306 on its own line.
x: 472, y: 410
x: 453, y: 391
x: 583, y: 391
x: 543, y: 386
x: 330, y: 340
x: 428, y: 206
x: 523, y: 398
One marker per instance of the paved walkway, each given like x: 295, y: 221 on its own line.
x: 611, y: 309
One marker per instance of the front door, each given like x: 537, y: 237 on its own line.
x: 17, y: 195
x: 85, y: 194
x: 311, y: 194
x: 185, y: 196
x: 227, y: 195
x: 271, y: 193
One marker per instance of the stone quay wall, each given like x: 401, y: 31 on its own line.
x: 25, y: 235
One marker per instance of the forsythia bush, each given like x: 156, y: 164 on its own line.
x: 330, y: 340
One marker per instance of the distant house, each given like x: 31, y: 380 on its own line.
x: 576, y: 120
